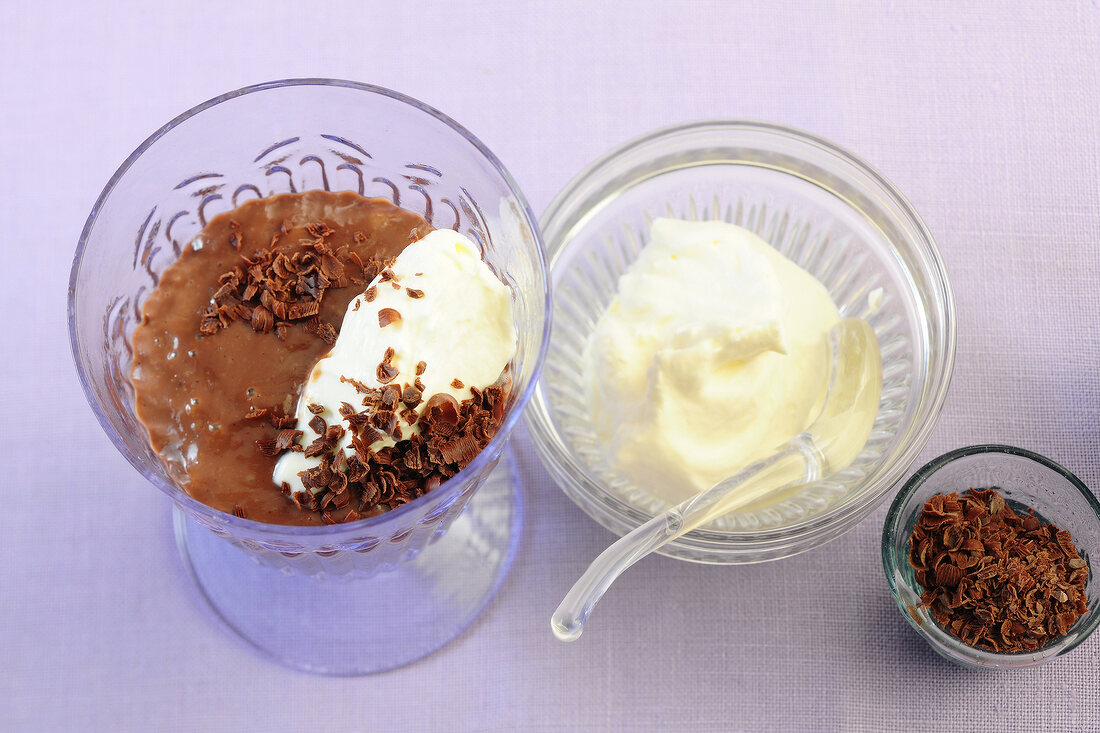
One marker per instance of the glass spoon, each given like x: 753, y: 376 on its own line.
x: 831, y: 442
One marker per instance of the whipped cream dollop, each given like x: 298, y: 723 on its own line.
x: 712, y: 354
x: 448, y: 321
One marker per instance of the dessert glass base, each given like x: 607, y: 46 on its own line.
x: 429, y: 599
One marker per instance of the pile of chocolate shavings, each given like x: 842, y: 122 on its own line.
x: 993, y: 578
x: 276, y: 286
x: 451, y: 434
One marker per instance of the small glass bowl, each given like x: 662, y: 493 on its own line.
x: 1026, y: 480
x: 823, y: 208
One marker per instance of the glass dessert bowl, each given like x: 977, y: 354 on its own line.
x: 825, y: 210
x: 434, y: 562
x: 1025, y: 480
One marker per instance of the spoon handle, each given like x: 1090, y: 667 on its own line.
x: 738, y: 490
x: 568, y: 620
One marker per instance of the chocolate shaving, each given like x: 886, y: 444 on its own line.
x: 287, y: 440
x: 257, y: 413
x: 363, y: 440
x: 384, y: 420
x: 457, y: 383
x: 357, y: 420
x: 413, y: 460
x: 315, y: 408
x: 317, y: 424
x: 370, y: 294
x: 282, y: 421
x: 414, y: 293
x: 215, y: 317
x: 359, y: 386
x: 340, y: 499
x: 391, y: 395
x: 302, y: 309
x: 332, y: 268
x: 411, y: 396
x: 320, y: 446
x: 421, y: 367
x: 441, y: 415
x: 226, y: 294
x: 386, y: 373
x: 462, y: 449
x: 386, y: 316
x: 319, y: 229
x: 236, y: 239
x: 238, y: 511
x: 321, y: 330
x: 268, y: 447
x: 262, y: 320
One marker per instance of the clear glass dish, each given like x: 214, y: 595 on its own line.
x: 270, y: 583
x: 1026, y: 480
x: 820, y: 206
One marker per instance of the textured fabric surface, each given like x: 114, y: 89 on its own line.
x: 984, y: 115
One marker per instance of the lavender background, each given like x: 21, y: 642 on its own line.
x: 985, y: 115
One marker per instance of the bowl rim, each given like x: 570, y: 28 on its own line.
x: 251, y: 526
x: 544, y: 434
x: 940, y: 640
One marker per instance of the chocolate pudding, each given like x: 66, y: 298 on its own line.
x: 201, y: 367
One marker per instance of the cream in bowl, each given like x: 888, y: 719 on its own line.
x: 712, y: 354
x: 815, y: 205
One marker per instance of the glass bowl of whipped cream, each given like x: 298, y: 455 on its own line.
x: 696, y: 273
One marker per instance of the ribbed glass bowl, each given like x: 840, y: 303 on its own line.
x: 1026, y: 480
x: 824, y: 209
x: 429, y: 567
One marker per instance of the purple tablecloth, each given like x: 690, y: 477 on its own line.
x: 987, y: 118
